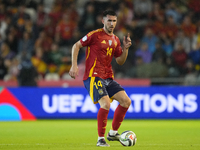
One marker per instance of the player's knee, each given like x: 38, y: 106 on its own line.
x: 126, y: 102
x: 105, y: 105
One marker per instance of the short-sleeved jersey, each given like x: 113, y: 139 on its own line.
x: 101, y: 48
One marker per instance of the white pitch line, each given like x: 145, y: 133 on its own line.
x: 25, y: 144
x: 15, y: 144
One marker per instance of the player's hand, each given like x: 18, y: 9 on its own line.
x: 73, y: 72
x: 127, y: 41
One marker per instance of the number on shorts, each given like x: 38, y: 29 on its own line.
x: 98, y: 84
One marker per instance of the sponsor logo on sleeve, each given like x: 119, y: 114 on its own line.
x: 84, y: 38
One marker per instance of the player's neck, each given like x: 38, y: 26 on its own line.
x: 109, y: 33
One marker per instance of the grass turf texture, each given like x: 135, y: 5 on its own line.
x: 82, y: 134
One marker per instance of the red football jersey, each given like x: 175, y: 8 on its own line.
x: 101, y: 48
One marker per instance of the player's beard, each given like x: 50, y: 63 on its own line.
x: 110, y: 30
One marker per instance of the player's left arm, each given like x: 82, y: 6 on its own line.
x: 126, y: 44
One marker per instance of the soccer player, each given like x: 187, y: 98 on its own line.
x: 102, y: 46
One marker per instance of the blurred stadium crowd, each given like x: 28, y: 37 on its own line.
x: 36, y: 37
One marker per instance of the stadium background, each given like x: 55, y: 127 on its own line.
x: 36, y: 37
x: 161, y: 74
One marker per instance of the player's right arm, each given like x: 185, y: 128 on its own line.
x: 73, y: 72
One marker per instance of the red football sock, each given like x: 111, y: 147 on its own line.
x: 102, y: 121
x: 118, y: 117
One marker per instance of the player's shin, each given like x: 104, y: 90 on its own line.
x: 102, y: 121
x: 118, y: 118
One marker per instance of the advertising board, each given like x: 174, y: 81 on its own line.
x: 57, y: 103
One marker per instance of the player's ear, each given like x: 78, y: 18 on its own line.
x: 103, y: 20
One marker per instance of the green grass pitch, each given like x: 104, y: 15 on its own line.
x: 82, y: 134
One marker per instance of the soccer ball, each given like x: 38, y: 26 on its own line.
x: 128, y: 138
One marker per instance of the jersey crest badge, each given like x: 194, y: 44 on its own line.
x: 104, y: 42
x: 110, y: 42
x: 100, y: 91
x: 115, y: 43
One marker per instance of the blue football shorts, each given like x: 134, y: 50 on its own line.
x: 98, y: 87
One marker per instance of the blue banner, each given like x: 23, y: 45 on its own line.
x: 147, y: 102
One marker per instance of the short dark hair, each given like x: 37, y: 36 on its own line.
x: 109, y: 12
